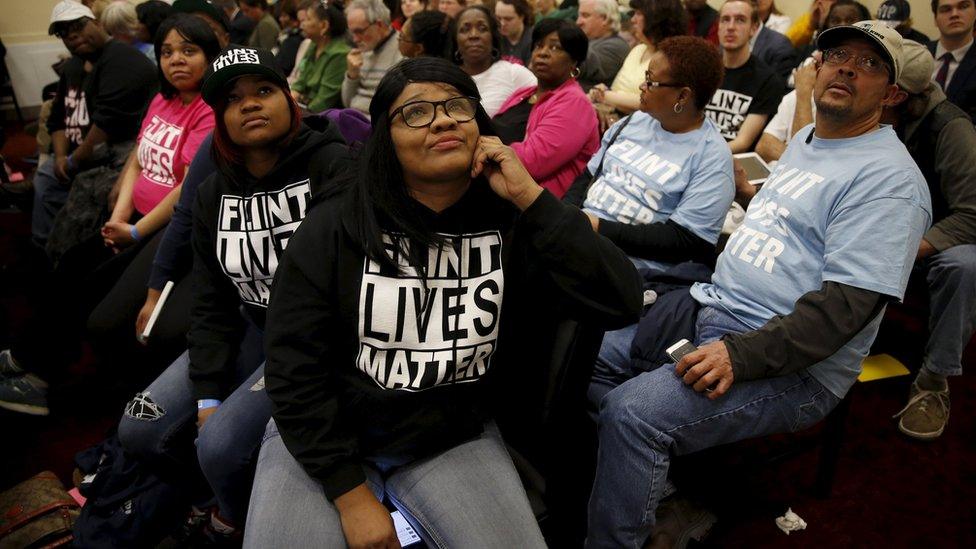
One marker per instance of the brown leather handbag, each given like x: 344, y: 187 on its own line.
x: 37, y: 513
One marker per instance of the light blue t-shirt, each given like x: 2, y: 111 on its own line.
x: 651, y: 175
x: 851, y: 211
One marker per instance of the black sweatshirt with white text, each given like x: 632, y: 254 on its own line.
x: 365, y: 363
x: 241, y: 226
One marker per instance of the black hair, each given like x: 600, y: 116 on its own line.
x: 522, y: 8
x: 380, y: 198
x: 430, y: 29
x: 152, y: 14
x: 863, y: 12
x: 263, y: 4
x: 331, y: 15
x: 496, y: 35
x: 662, y: 18
x: 195, y: 31
x: 571, y: 37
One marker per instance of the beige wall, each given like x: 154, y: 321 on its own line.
x: 921, y: 11
x: 27, y: 20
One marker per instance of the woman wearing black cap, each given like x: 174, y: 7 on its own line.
x: 391, y: 326
x: 270, y: 163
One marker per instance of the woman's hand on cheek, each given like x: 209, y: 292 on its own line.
x: 505, y: 172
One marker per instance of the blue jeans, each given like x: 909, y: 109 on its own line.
x: 653, y: 417
x: 50, y: 195
x: 951, y: 279
x: 160, y: 423
x: 467, y: 496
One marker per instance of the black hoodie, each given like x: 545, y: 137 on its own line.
x: 241, y: 226
x: 364, y: 363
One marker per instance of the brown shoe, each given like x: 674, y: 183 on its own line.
x: 926, y: 414
x: 679, y: 521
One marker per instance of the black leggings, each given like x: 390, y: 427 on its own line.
x: 112, y: 323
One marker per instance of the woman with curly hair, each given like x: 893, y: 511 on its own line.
x: 651, y: 22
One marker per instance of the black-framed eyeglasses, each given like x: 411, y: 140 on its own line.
x: 420, y: 114
x: 870, y: 64
x: 66, y: 29
x: 649, y: 83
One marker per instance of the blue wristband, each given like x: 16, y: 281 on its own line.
x: 134, y: 233
x: 71, y: 162
x: 205, y: 403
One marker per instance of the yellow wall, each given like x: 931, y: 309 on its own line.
x: 921, y: 11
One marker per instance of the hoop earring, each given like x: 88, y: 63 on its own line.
x: 678, y: 107
x: 495, y: 54
x: 575, y: 72
x: 457, y: 56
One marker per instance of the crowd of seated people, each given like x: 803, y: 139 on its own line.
x: 327, y: 226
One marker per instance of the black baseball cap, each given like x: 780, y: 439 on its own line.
x: 237, y: 61
x: 204, y: 7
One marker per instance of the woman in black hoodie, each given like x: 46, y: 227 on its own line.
x: 270, y: 163
x: 396, y: 306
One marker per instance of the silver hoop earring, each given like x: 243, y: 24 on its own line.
x: 575, y: 72
x: 678, y: 107
x: 457, y: 56
x: 495, y: 54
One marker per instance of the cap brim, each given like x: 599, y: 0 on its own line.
x: 215, y: 84
x: 831, y: 37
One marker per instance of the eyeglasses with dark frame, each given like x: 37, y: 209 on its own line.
x: 870, y: 64
x: 655, y: 84
x: 420, y: 114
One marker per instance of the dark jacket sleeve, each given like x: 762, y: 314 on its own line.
x: 955, y: 161
x: 299, y: 373
x: 820, y: 324
x: 55, y: 121
x: 576, y: 193
x: 666, y: 241
x: 124, y: 87
x: 174, y: 256
x: 598, y: 280
x: 216, y: 324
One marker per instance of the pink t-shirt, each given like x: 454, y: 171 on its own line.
x: 171, y: 134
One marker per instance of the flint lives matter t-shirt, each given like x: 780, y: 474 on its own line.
x: 651, y: 175
x: 752, y: 88
x: 832, y: 210
x: 170, y: 136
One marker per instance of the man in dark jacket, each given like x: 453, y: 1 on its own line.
x: 100, y: 105
x: 955, y: 57
x: 942, y: 140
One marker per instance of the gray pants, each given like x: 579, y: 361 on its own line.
x: 951, y: 277
x: 468, y: 496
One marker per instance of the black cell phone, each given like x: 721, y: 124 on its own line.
x: 680, y: 349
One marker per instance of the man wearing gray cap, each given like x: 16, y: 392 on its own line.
x: 795, y: 302
x: 942, y: 140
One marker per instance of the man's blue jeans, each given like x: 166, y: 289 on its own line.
x: 50, y: 195
x: 157, y: 422
x: 654, y: 416
x: 466, y: 496
x: 951, y: 278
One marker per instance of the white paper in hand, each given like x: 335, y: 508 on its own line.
x: 406, y: 534
x: 144, y: 336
